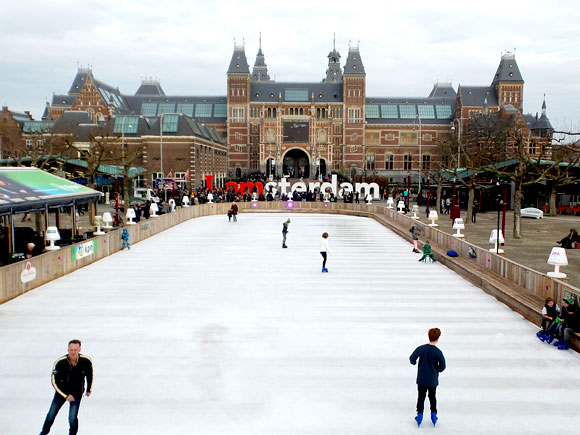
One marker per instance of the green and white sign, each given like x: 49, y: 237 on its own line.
x: 84, y: 250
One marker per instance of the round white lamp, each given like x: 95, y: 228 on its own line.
x: 458, y: 225
x: 401, y: 207
x: 415, y: 211
x: 98, y: 223
x: 369, y: 199
x: 153, y: 209
x: 185, y: 201
x: 494, y: 239
x: 52, y: 235
x: 433, y: 216
x: 210, y: 197
x: 557, y: 258
x: 107, y: 220
x: 131, y: 215
x: 390, y: 202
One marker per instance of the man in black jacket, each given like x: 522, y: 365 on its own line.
x: 68, y: 379
x: 431, y: 363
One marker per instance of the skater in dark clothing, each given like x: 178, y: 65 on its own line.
x: 431, y: 363
x: 285, y: 226
x: 324, y: 251
x: 571, y: 238
x: 550, y: 312
x: 68, y: 379
x: 474, y: 211
x: 234, y: 211
x: 415, y: 237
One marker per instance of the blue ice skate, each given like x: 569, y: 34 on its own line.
x: 419, y: 419
x: 564, y: 346
x: 434, y: 418
x: 557, y: 343
x: 550, y: 339
x: 540, y: 335
x: 324, y: 270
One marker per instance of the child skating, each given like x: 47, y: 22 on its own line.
x: 431, y: 363
x: 324, y: 251
x: 125, y: 239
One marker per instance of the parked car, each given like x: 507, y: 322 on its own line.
x: 532, y: 212
x: 145, y: 194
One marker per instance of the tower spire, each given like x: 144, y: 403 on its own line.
x: 334, y: 72
x: 260, y: 71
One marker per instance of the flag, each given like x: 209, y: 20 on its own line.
x: 187, y: 175
x: 170, y: 175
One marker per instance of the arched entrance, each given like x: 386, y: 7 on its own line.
x: 296, y: 163
x: 322, y: 167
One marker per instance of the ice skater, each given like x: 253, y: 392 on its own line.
x: 324, y: 251
x: 68, y: 379
x: 234, y: 211
x: 125, y: 239
x: 285, y: 226
x: 431, y: 363
x: 415, y: 237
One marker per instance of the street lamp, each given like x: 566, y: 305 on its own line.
x: 420, y: 161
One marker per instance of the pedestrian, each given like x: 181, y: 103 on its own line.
x: 474, y: 211
x: 431, y: 363
x: 30, y: 250
x: 324, y: 251
x: 125, y: 239
x: 285, y: 226
x: 447, y: 205
x: 234, y: 210
x: 415, y: 237
x: 356, y: 197
x: 68, y: 379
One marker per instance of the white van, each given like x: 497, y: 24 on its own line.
x: 145, y: 194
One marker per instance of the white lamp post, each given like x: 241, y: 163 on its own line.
x: 153, y: 209
x: 557, y: 258
x: 52, y: 235
x: 415, y: 211
x: 401, y: 207
x: 458, y: 225
x: 98, y: 223
x: 130, y: 216
x: 390, y: 202
x: 493, y: 238
x: 107, y: 220
x: 185, y: 201
x: 433, y: 216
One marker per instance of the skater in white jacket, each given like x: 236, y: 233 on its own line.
x: 324, y: 250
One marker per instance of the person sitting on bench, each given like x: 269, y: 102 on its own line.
x: 571, y: 238
x: 427, y: 252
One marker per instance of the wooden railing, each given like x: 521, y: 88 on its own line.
x: 18, y: 278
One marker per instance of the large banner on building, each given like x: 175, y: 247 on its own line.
x: 296, y: 131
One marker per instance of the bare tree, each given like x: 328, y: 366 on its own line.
x: 568, y: 171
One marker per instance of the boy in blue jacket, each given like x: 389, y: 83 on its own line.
x: 431, y: 363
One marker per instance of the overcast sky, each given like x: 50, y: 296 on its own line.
x: 405, y: 46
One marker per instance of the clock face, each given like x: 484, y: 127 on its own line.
x: 270, y: 135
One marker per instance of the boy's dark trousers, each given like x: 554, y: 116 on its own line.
x: 421, y: 399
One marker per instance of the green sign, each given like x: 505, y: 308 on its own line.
x: 84, y: 250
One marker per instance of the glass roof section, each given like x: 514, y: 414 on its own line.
x: 203, y: 110
x: 36, y: 126
x: 443, y: 112
x: 166, y: 108
x: 389, y: 111
x: 426, y: 112
x: 186, y: 109
x: 408, y: 111
x: 220, y: 111
x: 126, y: 124
x: 149, y: 109
x: 372, y: 111
x: 296, y: 95
x: 170, y: 122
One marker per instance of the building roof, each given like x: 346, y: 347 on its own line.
x: 80, y: 125
x: 476, y: 95
x: 403, y: 110
x: 260, y: 71
x: 239, y: 63
x: 354, y: 63
x: 208, y: 109
x: 442, y: 90
x: 63, y: 100
x: 296, y: 92
x: 150, y: 87
x: 508, y: 70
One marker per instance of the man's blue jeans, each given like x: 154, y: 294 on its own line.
x: 55, y: 406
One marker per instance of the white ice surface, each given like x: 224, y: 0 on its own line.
x: 212, y: 328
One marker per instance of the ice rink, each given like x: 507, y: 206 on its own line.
x: 212, y: 328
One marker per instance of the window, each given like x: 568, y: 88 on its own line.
x: 149, y: 109
x: 296, y: 94
x: 372, y: 111
x: 156, y: 175
x: 408, y: 111
x: 390, y: 136
x: 427, y: 137
x: 443, y: 112
x: 445, y: 159
x: 220, y: 110
x: 238, y: 136
x: 186, y: 109
x: 426, y: 162
x: 180, y: 175
x: 254, y: 112
x: 389, y: 111
x: 336, y: 112
x: 239, y: 148
x: 203, y: 110
x: 166, y: 108
x: 354, y: 137
x: 354, y: 116
x: 353, y: 148
x: 408, y: 162
x: 170, y: 123
x: 370, y: 161
x: 426, y: 112
x: 532, y: 149
x: 336, y: 128
x: 389, y: 162
x: 29, y: 144
x: 238, y: 114
x: 126, y: 124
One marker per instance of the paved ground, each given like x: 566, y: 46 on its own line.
x: 538, y: 237
x: 191, y: 332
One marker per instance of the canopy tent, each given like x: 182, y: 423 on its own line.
x: 23, y: 190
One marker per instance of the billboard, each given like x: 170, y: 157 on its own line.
x: 296, y: 131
